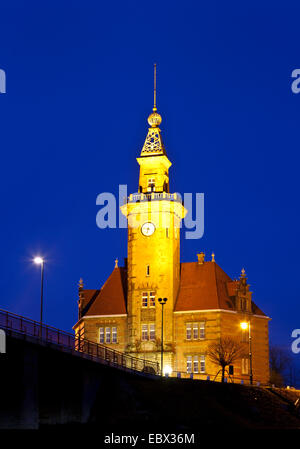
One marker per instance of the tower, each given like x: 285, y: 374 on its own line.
x: 203, y: 302
x: 154, y: 215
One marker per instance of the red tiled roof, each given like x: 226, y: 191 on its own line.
x: 88, y: 295
x: 87, y: 299
x: 111, y: 299
x: 256, y: 310
x: 232, y: 287
x: 205, y: 287
x: 202, y: 287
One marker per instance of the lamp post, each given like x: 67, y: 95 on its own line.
x: 247, y: 325
x: 162, y: 301
x: 40, y: 261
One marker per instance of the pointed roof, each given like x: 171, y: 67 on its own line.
x: 111, y: 299
x: 153, y: 145
x: 202, y: 287
x: 206, y: 287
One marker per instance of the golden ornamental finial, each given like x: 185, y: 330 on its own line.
x: 116, y: 263
x: 213, y: 257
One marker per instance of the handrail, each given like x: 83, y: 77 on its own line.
x: 95, y: 351
x: 149, y: 196
x: 212, y: 377
x: 81, y: 346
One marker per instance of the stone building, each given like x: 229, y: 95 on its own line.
x: 203, y: 302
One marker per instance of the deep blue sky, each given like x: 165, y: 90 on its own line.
x: 73, y: 120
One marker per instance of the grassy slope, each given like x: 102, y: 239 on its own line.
x: 130, y: 403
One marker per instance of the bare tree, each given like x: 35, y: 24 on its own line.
x: 280, y: 364
x: 225, y: 352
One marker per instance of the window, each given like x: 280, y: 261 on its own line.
x: 152, y: 332
x: 148, y: 299
x: 148, y: 332
x: 145, y: 332
x: 202, y: 363
x: 167, y: 232
x: 195, y: 331
x: 114, y: 335
x: 189, y: 331
x: 101, y: 335
x: 107, y: 334
x: 147, y: 270
x: 245, y: 366
x: 151, y: 184
x: 145, y: 299
x: 202, y: 329
x: 196, y: 364
x: 152, y: 299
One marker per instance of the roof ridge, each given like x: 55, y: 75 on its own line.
x: 111, y: 273
x: 111, y: 297
x: 216, y: 283
x: 88, y: 305
x: 224, y: 272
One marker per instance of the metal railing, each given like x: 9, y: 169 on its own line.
x: 245, y: 380
x: 291, y: 395
x: 152, y: 196
x: 67, y: 342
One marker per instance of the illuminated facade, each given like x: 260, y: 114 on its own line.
x: 203, y: 302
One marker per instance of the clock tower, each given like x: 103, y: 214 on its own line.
x: 198, y: 301
x: 153, y: 268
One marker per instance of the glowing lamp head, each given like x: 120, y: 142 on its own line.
x: 167, y: 370
x: 38, y: 261
x: 244, y: 325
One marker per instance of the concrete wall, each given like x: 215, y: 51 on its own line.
x: 41, y: 385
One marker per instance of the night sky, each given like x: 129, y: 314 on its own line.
x: 74, y: 119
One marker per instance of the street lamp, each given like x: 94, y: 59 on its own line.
x: 246, y: 325
x: 167, y: 370
x: 40, y: 261
x: 162, y: 301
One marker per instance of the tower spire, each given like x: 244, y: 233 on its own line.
x: 154, y: 103
x: 153, y: 144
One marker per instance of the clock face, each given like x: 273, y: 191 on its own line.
x: 148, y: 229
